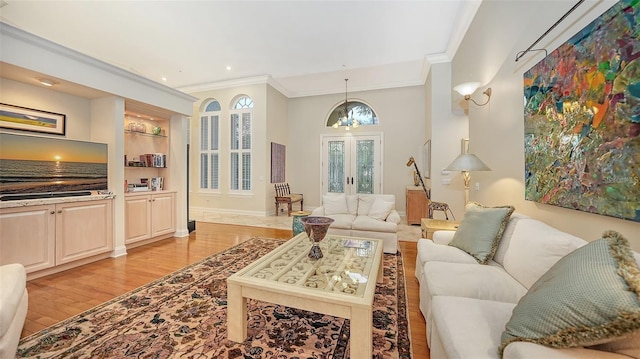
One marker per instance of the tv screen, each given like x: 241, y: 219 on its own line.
x: 31, y: 165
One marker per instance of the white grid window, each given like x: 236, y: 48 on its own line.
x: 209, y: 147
x: 240, y: 145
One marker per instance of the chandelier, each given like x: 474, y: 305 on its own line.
x: 346, y: 119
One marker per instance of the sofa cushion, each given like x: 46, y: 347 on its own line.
x: 588, y: 297
x: 365, y: 201
x: 380, y: 209
x: 429, y: 251
x: 334, y: 204
x: 366, y: 223
x: 506, y: 236
x: 13, y: 279
x: 352, y: 204
x: 341, y: 221
x: 489, y: 282
x: 481, y: 229
x: 469, y: 328
x: 534, y: 247
x: 523, y: 350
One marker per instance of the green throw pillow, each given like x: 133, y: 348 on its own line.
x: 590, y: 296
x: 481, y: 230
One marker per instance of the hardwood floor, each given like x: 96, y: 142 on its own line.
x: 62, y: 295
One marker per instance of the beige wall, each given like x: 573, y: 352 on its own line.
x: 401, y: 114
x: 278, y: 132
x: 499, y: 31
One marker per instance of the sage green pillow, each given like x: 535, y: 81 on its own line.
x: 589, y: 297
x: 480, y: 230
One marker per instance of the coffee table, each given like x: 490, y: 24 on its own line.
x: 342, y: 284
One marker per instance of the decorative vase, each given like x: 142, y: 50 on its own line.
x: 316, y: 228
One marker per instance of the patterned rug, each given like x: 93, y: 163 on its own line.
x: 183, y: 315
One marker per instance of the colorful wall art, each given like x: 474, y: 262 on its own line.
x: 582, y: 119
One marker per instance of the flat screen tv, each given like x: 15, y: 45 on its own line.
x: 36, y: 167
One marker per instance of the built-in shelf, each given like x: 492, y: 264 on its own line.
x: 144, y: 133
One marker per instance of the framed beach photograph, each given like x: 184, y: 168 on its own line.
x: 28, y: 119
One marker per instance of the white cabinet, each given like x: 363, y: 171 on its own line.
x: 149, y: 215
x: 45, y: 236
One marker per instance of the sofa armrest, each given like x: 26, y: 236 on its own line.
x: 522, y: 350
x: 393, y: 217
x: 318, y: 211
x: 443, y: 237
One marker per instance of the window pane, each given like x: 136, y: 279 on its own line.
x: 214, y: 132
x: 204, y: 131
x: 235, y: 129
x: 246, y: 171
x: 246, y: 131
x: 235, y: 169
x: 364, y: 166
x: 204, y: 171
x: 336, y: 167
x: 213, y: 106
x: 214, y: 171
x: 357, y: 110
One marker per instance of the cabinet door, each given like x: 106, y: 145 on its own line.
x: 137, y: 218
x: 163, y: 219
x: 83, y: 230
x: 27, y: 236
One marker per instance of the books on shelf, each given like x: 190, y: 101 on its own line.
x: 149, y: 160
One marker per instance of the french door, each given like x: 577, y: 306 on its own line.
x: 352, y: 164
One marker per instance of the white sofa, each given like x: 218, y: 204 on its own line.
x: 362, y: 215
x: 467, y: 305
x: 13, y: 307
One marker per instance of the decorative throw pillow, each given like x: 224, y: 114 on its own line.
x: 334, y: 204
x: 380, y: 209
x: 480, y: 230
x: 588, y: 297
x: 364, y: 204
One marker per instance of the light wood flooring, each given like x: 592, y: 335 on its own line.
x: 62, y: 295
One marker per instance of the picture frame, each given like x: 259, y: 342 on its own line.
x: 426, y: 157
x: 29, y: 119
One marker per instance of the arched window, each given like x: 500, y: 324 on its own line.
x: 209, y: 147
x: 240, y: 144
x: 357, y: 112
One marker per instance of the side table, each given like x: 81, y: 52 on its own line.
x: 296, y: 226
x: 431, y: 225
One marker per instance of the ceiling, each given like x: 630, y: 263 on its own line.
x: 306, y: 47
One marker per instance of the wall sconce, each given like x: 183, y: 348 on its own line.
x: 468, y: 88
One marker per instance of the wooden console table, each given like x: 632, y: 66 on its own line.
x: 417, y: 204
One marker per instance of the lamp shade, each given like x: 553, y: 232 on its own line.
x: 467, y: 88
x: 467, y: 162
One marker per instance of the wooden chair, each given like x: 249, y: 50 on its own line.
x: 284, y: 195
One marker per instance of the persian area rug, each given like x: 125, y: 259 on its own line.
x: 183, y: 315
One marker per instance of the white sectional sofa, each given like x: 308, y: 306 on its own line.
x: 472, y: 310
x: 14, y: 301
x: 362, y: 215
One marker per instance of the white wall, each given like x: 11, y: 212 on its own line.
x: 499, y: 31
x: 401, y: 114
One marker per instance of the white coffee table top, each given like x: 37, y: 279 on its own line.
x: 345, y: 268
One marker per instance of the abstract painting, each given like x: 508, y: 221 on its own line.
x: 582, y: 119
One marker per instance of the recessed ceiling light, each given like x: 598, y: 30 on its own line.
x: 228, y: 68
x: 164, y: 78
x: 47, y: 82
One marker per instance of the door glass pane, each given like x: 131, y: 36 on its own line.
x: 336, y: 177
x: 364, y: 166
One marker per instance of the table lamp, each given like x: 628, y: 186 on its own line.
x: 466, y: 163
